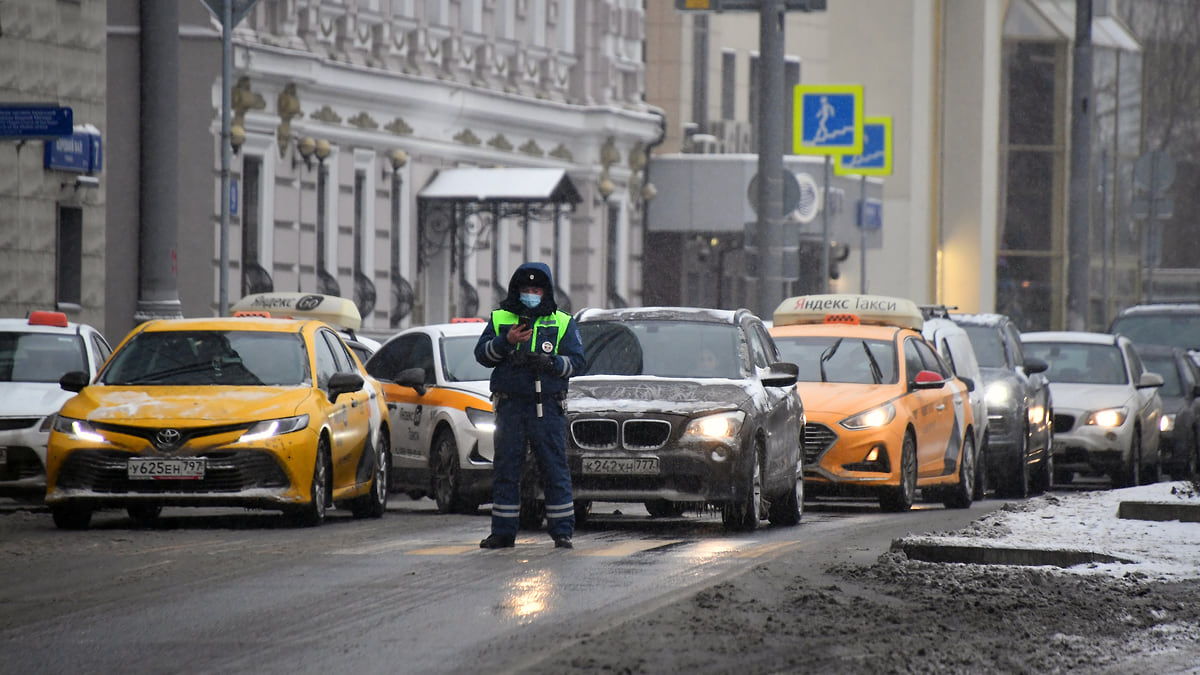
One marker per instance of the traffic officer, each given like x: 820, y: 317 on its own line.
x: 532, y: 348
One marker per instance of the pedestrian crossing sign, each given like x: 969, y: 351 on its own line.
x: 876, y: 156
x: 828, y: 119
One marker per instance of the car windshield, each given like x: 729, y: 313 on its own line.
x: 661, y: 347
x: 840, y: 359
x: 1177, y: 329
x: 231, y: 358
x: 1165, y: 365
x: 989, y: 349
x: 40, y: 357
x: 1080, y: 363
x: 458, y: 360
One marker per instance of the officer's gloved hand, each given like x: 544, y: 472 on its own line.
x: 544, y: 363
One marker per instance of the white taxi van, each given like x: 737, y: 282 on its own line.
x: 885, y: 415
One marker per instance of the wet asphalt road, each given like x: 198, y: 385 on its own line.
x: 229, y: 591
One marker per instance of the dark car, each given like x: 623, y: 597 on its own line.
x: 1164, y: 323
x: 1016, y: 458
x: 681, y: 407
x: 1179, y: 427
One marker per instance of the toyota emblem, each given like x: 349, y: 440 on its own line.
x: 167, y: 438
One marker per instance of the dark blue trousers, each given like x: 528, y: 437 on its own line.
x: 517, y: 423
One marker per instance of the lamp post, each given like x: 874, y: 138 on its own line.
x: 398, y: 158
x: 326, y: 282
x: 305, y: 148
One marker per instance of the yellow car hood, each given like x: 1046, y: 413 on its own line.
x: 185, y: 404
x: 844, y: 398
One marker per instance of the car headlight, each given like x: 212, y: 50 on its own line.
x: 999, y: 394
x: 870, y: 419
x: 1167, y: 422
x: 77, y: 430
x: 47, y: 423
x: 269, y: 428
x: 1108, y: 418
x: 483, y: 420
x: 720, y: 426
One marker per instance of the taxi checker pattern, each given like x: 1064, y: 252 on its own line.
x: 885, y: 414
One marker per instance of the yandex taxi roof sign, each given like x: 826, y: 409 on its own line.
x: 333, y: 310
x: 849, y: 308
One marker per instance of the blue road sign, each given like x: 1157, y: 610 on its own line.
x: 233, y: 196
x: 35, y: 120
x: 829, y: 119
x: 870, y: 214
x: 876, y: 156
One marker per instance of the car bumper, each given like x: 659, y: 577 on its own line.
x: 702, y: 474
x: 835, y: 462
x: 1093, y: 449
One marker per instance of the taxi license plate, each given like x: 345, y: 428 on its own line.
x: 621, y: 465
x: 158, y: 469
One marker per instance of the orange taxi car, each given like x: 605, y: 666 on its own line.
x: 885, y: 415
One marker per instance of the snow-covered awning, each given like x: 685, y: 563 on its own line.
x: 502, y: 185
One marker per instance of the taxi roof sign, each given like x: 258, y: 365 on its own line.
x: 849, y: 309
x: 331, y: 309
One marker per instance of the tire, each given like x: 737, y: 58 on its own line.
x: 959, y: 495
x: 1130, y: 474
x: 144, y: 515
x: 313, y: 513
x: 531, y: 515
x: 980, y: 489
x: 583, y: 512
x: 900, y: 498
x: 664, y: 508
x: 533, y: 510
x: 1042, y: 473
x: 744, y: 511
x: 1153, y: 474
x: 374, y: 503
x: 71, y: 516
x: 1015, y: 481
x: 789, y: 508
x: 446, y: 476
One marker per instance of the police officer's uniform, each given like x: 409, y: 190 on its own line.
x: 515, y: 375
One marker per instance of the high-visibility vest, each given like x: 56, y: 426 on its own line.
x: 559, y: 320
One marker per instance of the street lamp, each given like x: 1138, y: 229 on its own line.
x: 397, y: 158
x: 305, y: 147
x: 326, y: 282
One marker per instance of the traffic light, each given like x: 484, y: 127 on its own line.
x: 837, y: 254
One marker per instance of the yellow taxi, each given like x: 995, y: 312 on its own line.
x: 885, y: 415
x: 236, y: 411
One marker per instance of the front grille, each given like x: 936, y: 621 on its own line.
x: 595, y: 434
x: 645, y: 434
x: 1063, y: 423
x: 817, y: 439
x: 106, y: 471
x: 22, y: 463
x: 11, y: 423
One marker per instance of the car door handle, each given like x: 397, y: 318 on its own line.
x: 941, y: 406
x: 392, y: 406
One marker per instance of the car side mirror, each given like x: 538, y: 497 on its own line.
x: 1035, y: 365
x: 412, y: 377
x: 343, y: 383
x: 1148, y: 380
x: 969, y: 382
x: 781, y: 374
x: 927, y: 379
x: 74, y: 381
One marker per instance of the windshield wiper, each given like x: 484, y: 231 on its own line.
x: 875, y: 371
x: 828, y: 354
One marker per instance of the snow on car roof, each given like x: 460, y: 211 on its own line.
x: 849, y: 308
x: 1083, y: 337
x: 331, y: 309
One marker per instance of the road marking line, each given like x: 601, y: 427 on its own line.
x: 756, y: 551
x: 627, y: 548
x: 452, y: 549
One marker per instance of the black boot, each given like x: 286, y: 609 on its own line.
x: 499, y: 541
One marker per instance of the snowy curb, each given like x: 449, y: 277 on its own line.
x: 1159, y: 511
x: 929, y: 551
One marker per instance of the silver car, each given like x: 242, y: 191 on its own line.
x: 1107, y: 408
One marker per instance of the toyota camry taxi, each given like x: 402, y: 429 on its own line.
x: 439, y: 399
x: 885, y: 415
x: 237, y: 411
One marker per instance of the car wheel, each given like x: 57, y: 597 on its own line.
x: 533, y: 510
x: 144, y: 515
x: 664, y: 508
x: 980, y: 489
x: 313, y: 513
x: 583, y: 511
x: 959, y: 496
x: 447, y: 481
x: 789, y: 508
x: 1042, y: 473
x: 744, y: 511
x: 531, y: 515
x: 1130, y: 474
x: 1153, y: 473
x: 374, y: 503
x: 71, y: 516
x: 900, y: 498
x: 1015, y: 481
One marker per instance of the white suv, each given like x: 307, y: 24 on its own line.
x: 34, y: 353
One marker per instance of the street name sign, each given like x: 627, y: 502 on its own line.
x: 35, y: 120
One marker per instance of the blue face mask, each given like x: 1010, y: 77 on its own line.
x: 531, y: 300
